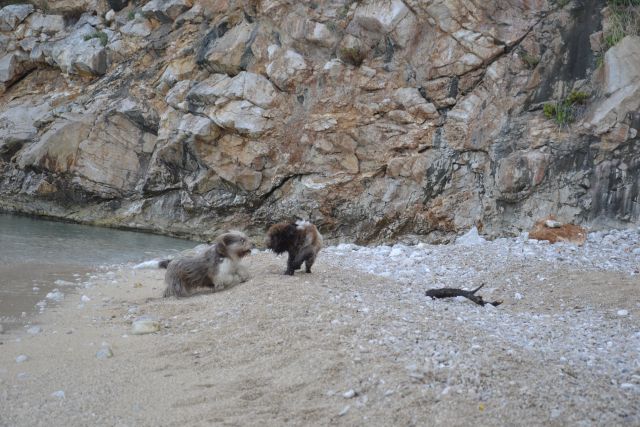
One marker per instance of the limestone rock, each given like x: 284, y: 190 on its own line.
x: 228, y: 53
x: 144, y: 326
x: 47, y: 24
x: 14, y: 14
x: 76, y: 54
x: 287, y: 68
x: 165, y: 10
x: 621, y: 85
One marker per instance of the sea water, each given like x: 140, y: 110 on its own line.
x: 37, y: 256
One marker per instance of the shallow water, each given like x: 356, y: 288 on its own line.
x: 37, y: 256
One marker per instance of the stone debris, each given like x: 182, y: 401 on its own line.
x: 145, y: 326
x: 58, y: 394
x: 22, y: 358
x: 349, y: 394
x: 104, y: 353
x: 55, y: 295
x: 34, y: 330
x: 344, y: 411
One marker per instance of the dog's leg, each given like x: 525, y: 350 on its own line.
x: 291, y: 264
x: 309, y: 262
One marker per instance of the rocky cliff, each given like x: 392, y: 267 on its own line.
x: 375, y: 119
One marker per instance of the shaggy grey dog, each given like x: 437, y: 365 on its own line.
x: 217, y: 268
x: 301, y: 240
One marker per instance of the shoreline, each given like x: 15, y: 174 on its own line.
x: 344, y: 346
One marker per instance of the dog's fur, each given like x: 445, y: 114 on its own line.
x: 301, y: 240
x: 217, y: 268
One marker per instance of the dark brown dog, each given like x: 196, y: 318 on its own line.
x: 301, y: 240
x: 217, y: 268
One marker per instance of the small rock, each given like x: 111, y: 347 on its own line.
x: 56, y: 295
x: 349, y: 394
x: 34, y: 330
x: 59, y: 394
x: 22, y: 358
x: 622, y: 313
x: 144, y: 326
x: 517, y: 296
x: 85, y: 298
x: 109, y: 15
x: 104, y: 353
x: 22, y: 376
x: 550, y: 223
x: 344, y: 411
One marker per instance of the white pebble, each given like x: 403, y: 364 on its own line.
x: 344, y: 410
x: 623, y: 313
x: 144, y: 326
x: 22, y: 358
x: 59, y: 394
x: 85, y: 298
x: 104, y: 353
x: 349, y: 394
x: 517, y: 296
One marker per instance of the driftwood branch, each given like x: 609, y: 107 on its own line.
x: 453, y: 292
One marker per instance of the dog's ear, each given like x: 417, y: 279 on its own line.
x: 221, y: 248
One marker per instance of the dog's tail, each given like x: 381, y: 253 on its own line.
x: 154, y: 263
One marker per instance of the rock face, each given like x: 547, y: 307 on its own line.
x: 374, y: 119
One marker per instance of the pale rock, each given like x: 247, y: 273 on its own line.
x: 552, y: 223
x: 470, y: 238
x: 378, y: 16
x: 104, y: 353
x: 225, y: 54
x: 85, y: 298
x: 165, y: 10
x: 13, y: 66
x: 22, y: 358
x: 14, y: 14
x: 110, y: 16
x: 349, y: 394
x: 58, y: 394
x: 48, y: 24
x: 319, y: 33
x: 144, y: 326
x: 241, y: 116
x: 55, y: 295
x: 75, y: 55
x: 622, y: 313
x: 137, y: 27
x: 344, y: 411
x: 287, y: 69
x: 244, y: 86
x: 621, y: 85
x: 178, y: 94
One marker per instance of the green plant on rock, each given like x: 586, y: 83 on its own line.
x: 98, y: 35
x: 131, y: 15
x: 351, y: 55
x: 530, y: 61
x: 564, y: 111
x: 624, y: 20
x: 577, y: 97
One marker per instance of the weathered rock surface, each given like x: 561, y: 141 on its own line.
x: 374, y: 119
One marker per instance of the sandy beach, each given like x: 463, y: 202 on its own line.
x: 340, y: 346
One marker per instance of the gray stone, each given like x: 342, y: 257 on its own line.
x: 104, y: 353
x: 165, y: 10
x: 144, y: 326
x: 12, y: 15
